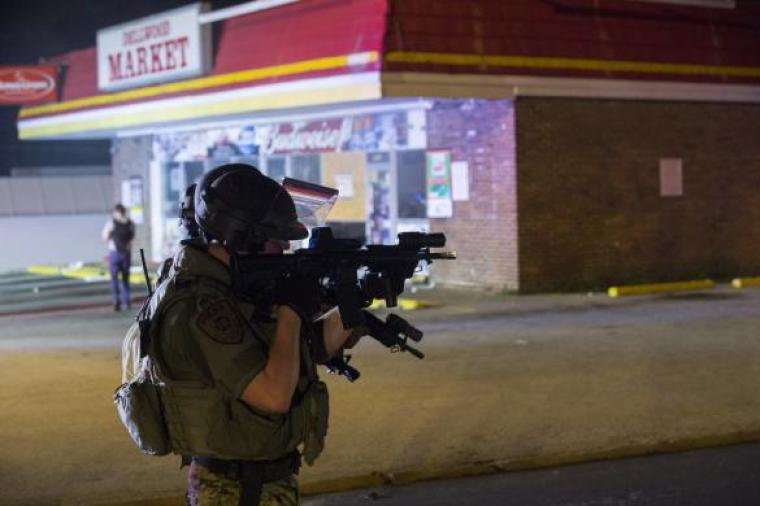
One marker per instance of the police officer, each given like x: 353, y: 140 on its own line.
x: 237, y: 379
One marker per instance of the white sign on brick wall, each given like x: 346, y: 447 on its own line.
x: 460, y: 181
x: 671, y: 177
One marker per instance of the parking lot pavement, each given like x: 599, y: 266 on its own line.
x: 507, y: 383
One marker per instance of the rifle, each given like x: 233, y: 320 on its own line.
x: 351, y: 276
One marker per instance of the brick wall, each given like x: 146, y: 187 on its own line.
x: 131, y: 157
x: 607, y: 31
x: 591, y: 214
x: 482, y: 230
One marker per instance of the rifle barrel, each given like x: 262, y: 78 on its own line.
x: 444, y: 255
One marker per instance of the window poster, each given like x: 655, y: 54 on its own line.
x: 348, y: 173
x: 345, y: 184
x: 439, y: 202
x: 132, y: 198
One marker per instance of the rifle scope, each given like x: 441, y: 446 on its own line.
x: 419, y: 240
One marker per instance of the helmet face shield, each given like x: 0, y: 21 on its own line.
x: 313, y: 202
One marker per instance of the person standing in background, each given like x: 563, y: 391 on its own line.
x: 119, y: 232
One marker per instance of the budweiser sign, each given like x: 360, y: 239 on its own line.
x: 158, y: 48
x: 32, y: 84
x: 303, y: 137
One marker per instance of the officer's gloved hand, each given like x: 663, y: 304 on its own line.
x: 301, y: 294
x: 356, y: 334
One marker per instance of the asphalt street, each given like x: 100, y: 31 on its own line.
x: 728, y: 476
x: 508, y: 383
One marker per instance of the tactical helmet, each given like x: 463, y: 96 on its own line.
x: 242, y: 208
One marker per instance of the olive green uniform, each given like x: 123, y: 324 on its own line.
x: 207, y: 349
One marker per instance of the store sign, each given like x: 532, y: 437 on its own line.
x: 366, y: 132
x: 29, y: 84
x: 303, y: 137
x: 164, y: 47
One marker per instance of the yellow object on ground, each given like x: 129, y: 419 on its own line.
x: 405, y: 304
x: 86, y: 272
x: 679, y: 286
x: 745, y: 282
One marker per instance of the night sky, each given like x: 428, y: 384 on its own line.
x: 35, y: 29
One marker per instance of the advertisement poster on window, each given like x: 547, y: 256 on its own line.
x: 348, y: 173
x: 439, y: 203
x: 388, y: 131
x: 132, y: 199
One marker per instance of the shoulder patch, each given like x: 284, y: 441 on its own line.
x: 219, y: 321
x: 204, y: 301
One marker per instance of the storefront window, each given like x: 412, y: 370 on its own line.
x: 411, y: 184
x: 172, y: 182
x: 276, y: 168
x: 176, y: 177
x: 348, y: 230
x: 212, y: 163
x: 305, y: 168
x: 193, y: 174
x: 377, y: 160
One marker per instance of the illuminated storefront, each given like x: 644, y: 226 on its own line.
x: 376, y: 160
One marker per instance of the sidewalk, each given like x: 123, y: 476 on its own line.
x: 508, y: 382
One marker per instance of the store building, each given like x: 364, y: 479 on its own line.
x: 560, y: 145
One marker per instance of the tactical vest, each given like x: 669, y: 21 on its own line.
x: 202, y: 418
x: 123, y: 232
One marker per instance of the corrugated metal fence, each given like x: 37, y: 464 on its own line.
x: 53, y: 219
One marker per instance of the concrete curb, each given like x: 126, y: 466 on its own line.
x: 652, y: 288
x: 745, y: 282
x: 136, y: 302
x: 348, y: 483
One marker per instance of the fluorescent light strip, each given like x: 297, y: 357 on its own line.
x: 268, y: 89
x: 239, y: 77
x: 291, y: 117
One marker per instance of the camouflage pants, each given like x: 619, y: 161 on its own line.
x: 205, y: 488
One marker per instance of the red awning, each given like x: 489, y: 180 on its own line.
x: 315, y: 52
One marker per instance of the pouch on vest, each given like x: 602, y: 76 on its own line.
x: 137, y: 399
